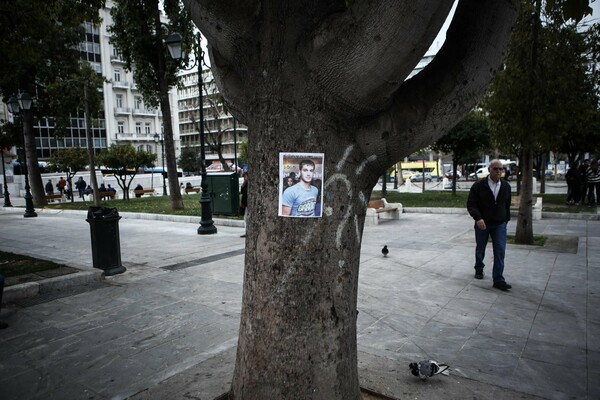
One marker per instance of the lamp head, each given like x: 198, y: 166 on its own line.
x: 156, y: 137
x: 13, y: 105
x: 25, y: 101
x: 173, y: 42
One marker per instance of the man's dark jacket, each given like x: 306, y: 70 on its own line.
x: 481, y: 203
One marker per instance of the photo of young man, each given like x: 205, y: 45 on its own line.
x: 303, y: 198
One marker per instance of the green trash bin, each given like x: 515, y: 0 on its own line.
x: 106, y: 243
x: 224, y: 191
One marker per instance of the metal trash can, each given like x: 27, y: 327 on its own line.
x: 106, y: 243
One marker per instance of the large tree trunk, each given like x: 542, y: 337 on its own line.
x: 298, y: 326
x: 329, y: 77
x: 33, y: 170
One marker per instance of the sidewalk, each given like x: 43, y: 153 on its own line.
x: 173, y: 316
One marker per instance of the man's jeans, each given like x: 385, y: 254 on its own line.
x: 498, y: 234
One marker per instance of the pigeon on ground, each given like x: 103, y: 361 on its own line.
x: 428, y: 368
x: 385, y: 251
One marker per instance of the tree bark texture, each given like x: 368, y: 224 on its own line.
x: 329, y: 77
x: 524, y: 229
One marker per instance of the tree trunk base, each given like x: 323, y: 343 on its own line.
x: 367, y: 394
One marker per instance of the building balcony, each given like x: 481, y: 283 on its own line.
x: 120, y: 84
x: 134, y: 137
x: 122, y: 111
x: 116, y: 60
x: 143, y: 111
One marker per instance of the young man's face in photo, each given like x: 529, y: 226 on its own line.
x: 306, y: 173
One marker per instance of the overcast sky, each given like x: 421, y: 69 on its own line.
x: 439, y: 40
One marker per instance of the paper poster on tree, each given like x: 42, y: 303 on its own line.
x: 300, y: 183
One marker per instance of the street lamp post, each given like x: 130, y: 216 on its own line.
x: 19, y: 106
x: 207, y: 226
x: 6, y: 194
x: 158, y: 138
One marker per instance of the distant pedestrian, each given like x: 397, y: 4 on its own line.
x: 244, y: 201
x: 573, y: 184
x: 593, y: 180
x: 489, y: 205
x: 68, y: 191
x: 583, y: 176
x: 61, y: 185
x: 80, y: 185
x: 138, y: 187
x: 88, y: 191
x: 49, y: 188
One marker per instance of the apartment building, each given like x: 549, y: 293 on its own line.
x: 219, y: 124
x: 125, y: 120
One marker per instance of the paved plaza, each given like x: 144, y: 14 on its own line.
x: 167, y: 328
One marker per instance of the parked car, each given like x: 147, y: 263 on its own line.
x: 407, y: 173
x: 418, y: 177
x: 481, y: 173
x: 449, y: 175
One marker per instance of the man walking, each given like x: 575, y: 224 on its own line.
x: 80, y: 186
x: 489, y: 205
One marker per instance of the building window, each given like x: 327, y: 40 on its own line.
x: 140, y: 147
x: 117, y: 75
x: 119, y: 100
x: 120, y: 127
x: 137, y: 100
x: 147, y: 128
x: 138, y: 127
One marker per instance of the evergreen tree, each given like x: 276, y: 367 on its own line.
x: 542, y: 95
x: 468, y: 137
x: 139, y: 33
x: 40, y: 45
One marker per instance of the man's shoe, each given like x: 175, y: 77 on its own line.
x: 478, y: 274
x: 502, y: 286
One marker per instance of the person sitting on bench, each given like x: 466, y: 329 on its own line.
x: 138, y: 187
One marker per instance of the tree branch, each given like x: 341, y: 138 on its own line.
x: 369, y: 45
x: 211, y: 16
x: 431, y: 103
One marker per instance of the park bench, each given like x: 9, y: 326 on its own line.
x: 107, y: 195
x: 142, y: 192
x: 52, y: 197
x: 381, y: 209
x: 192, y: 190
